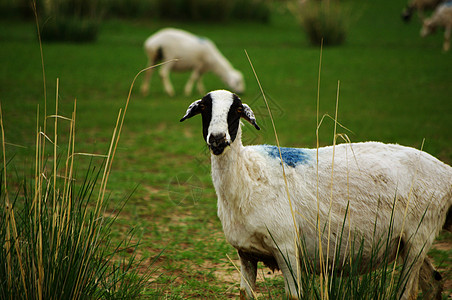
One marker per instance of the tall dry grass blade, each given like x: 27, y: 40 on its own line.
x: 118, y: 129
x: 104, y: 181
x: 71, y: 157
x: 16, y: 145
x: 63, y: 226
x: 292, y: 211
x: 47, y: 138
x: 59, y: 117
x: 35, y: 12
x: 277, y: 141
x: 54, y: 187
x: 348, y: 141
x: 37, y: 209
x: 321, y: 263
x: 44, y: 128
x: 34, y: 207
x: 332, y: 186
x: 130, y: 94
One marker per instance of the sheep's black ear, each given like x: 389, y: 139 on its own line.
x: 248, y: 115
x: 193, y: 110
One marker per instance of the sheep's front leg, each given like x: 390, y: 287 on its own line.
x: 447, y: 32
x: 414, y: 261
x: 146, y: 80
x: 288, y: 265
x: 248, y: 270
x: 193, y: 77
x: 164, y: 74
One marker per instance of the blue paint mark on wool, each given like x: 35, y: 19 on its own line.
x: 290, y: 156
x: 202, y: 39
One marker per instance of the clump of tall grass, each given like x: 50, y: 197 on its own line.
x: 70, y: 20
x: 214, y: 11
x: 70, y: 29
x: 54, y: 236
x: 322, y: 21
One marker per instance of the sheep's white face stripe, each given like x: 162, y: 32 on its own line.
x: 221, y: 103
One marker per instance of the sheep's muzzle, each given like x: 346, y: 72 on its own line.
x: 217, y: 143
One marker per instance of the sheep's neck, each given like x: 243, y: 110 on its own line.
x: 227, y: 164
x: 220, y: 66
x: 229, y: 174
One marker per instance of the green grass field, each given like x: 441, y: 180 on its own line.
x: 394, y: 87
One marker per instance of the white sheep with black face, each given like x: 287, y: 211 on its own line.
x: 188, y: 52
x: 254, y: 210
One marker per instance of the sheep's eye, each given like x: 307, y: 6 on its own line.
x: 239, y: 109
x: 202, y: 106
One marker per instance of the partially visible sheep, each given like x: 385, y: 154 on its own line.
x: 420, y: 6
x: 442, y: 17
x: 374, y: 182
x: 192, y: 53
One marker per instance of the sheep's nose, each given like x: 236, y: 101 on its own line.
x: 217, y: 139
x: 217, y: 143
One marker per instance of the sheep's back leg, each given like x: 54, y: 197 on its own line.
x: 195, y: 75
x: 411, y: 288
x: 248, y: 270
x: 430, y: 281
x: 164, y: 74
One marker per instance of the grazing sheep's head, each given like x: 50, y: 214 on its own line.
x: 235, y: 81
x: 221, y: 112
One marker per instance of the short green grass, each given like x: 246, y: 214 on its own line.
x: 394, y: 87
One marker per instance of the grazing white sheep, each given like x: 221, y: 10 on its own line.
x: 420, y: 6
x: 375, y: 179
x: 192, y: 53
x: 442, y: 17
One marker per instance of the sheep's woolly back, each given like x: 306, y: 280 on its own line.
x: 372, y: 177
